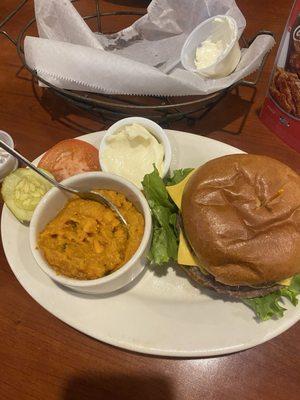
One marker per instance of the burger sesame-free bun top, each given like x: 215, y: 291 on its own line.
x: 241, y: 216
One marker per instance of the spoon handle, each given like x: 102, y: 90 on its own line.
x: 22, y: 159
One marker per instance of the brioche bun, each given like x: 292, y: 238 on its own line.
x: 241, y: 216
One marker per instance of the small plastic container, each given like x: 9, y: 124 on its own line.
x: 220, y: 27
x: 7, y: 162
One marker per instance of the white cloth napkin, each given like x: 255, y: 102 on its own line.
x: 69, y: 55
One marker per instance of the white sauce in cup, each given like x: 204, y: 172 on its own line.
x: 131, y: 153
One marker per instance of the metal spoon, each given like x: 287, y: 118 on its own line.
x: 83, y: 195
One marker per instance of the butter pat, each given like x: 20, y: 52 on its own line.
x: 208, y: 53
x: 212, y: 49
x: 131, y: 153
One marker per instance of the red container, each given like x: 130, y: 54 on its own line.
x: 281, y: 110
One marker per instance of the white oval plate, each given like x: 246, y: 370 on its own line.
x: 162, y: 315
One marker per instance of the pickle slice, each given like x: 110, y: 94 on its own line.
x: 22, y: 190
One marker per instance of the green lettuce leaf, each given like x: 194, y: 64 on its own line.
x: 269, y: 306
x: 266, y: 307
x: 291, y: 292
x: 164, y: 220
x: 178, y: 176
x: 164, y: 246
x: 159, y: 252
x: 155, y: 191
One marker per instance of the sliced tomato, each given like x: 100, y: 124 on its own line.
x: 70, y: 157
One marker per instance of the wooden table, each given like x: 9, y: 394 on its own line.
x: 40, y: 356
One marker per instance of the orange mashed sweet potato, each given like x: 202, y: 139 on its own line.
x: 87, y: 241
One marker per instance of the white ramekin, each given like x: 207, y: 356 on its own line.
x: 55, y: 200
x: 228, y: 60
x: 152, y: 127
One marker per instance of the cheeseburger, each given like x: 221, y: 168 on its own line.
x: 240, y: 217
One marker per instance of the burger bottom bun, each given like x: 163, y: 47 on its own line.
x: 209, y: 282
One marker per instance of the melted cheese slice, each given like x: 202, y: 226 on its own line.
x: 185, y: 256
x: 286, y: 282
x: 176, y: 191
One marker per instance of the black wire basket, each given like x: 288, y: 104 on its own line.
x: 161, y: 109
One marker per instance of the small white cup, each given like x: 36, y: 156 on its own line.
x: 10, y: 163
x: 152, y: 127
x: 55, y: 200
x: 220, y: 27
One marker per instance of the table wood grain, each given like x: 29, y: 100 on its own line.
x: 40, y: 356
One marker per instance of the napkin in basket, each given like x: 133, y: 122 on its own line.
x: 69, y: 55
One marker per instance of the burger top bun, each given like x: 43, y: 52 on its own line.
x: 241, y: 216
